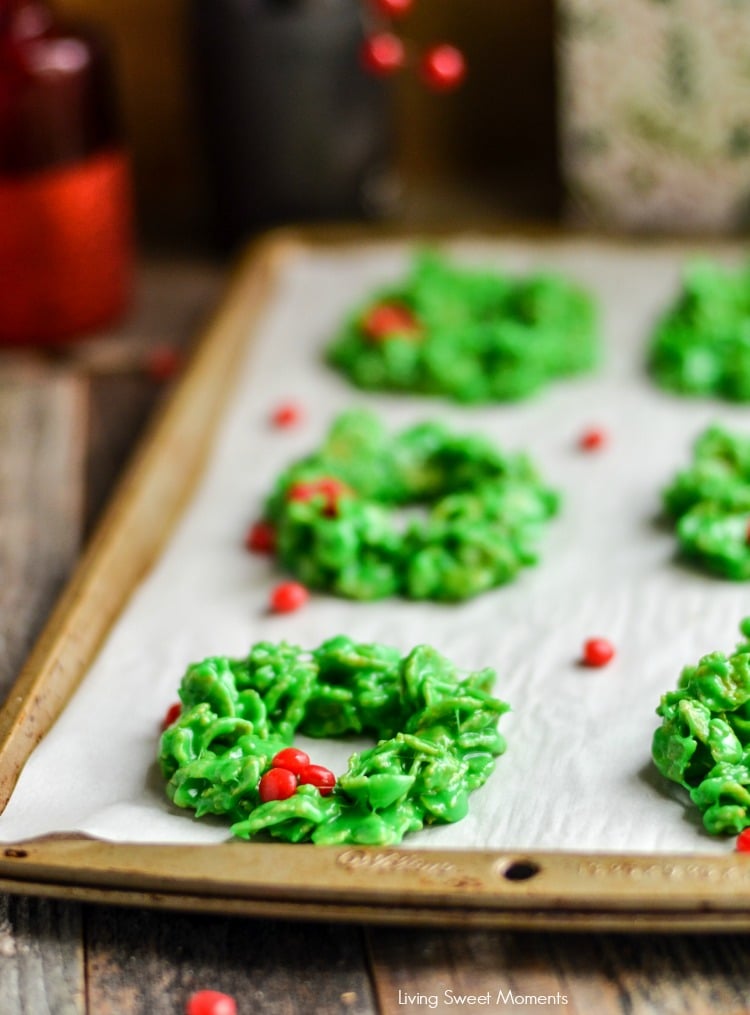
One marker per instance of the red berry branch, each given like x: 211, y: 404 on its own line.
x: 442, y: 67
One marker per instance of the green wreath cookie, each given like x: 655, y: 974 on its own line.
x: 473, y: 336
x: 710, y: 504
x: 337, y: 528
x: 702, y: 344
x: 703, y: 742
x: 436, y: 732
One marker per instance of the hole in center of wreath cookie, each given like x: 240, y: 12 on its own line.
x: 334, y: 754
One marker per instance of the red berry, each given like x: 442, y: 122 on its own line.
x: 163, y: 362
x: 743, y: 841
x: 598, y: 652
x: 172, y: 715
x: 443, y: 68
x: 328, y: 487
x: 593, y: 439
x: 383, y: 54
x: 291, y: 759
x: 318, y: 776
x: 261, y: 538
x: 393, y: 8
x: 277, y: 784
x: 387, y: 319
x: 288, y: 597
x: 288, y: 414
x: 211, y: 1002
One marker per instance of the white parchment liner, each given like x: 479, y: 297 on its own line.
x: 577, y: 773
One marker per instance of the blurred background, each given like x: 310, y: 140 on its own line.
x: 491, y: 145
x: 191, y: 125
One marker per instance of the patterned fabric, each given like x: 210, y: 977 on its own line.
x: 655, y: 112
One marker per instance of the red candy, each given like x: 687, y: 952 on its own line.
x: 291, y: 759
x: 383, y: 54
x: 386, y: 319
x: 288, y: 414
x: 277, y: 784
x: 443, y: 68
x: 593, y: 439
x: 211, y: 1002
x: 173, y: 714
x: 318, y: 776
x: 329, y: 487
x: 598, y: 652
x: 743, y: 841
x: 261, y: 538
x: 288, y: 597
x: 393, y: 8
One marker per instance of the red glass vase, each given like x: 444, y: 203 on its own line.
x: 66, y: 249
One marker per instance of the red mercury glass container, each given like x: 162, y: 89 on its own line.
x: 66, y: 246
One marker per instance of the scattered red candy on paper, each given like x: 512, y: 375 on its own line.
x: 593, y: 439
x: 288, y: 414
x: 318, y: 776
x: 261, y: 538
x: 383, y: 54
x: 277, y: 784
x: 743, y: 841
x: 211, y: 1002
x: 172, y: 715
x: 386, y: 319
x: 288, y: 597
x: 292, y: 759
x: 162, y: 362
x: 393, y: 8
x: 443, y: 68
x: 598, y: 652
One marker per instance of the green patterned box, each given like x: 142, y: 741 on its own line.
x: 655, y: 113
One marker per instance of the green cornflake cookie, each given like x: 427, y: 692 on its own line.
x: 474, y: 336
x: 702, y: 344
x: 710, y: 504
x: 337, y: 529
x: 703, y: 742
x: 436, y: 732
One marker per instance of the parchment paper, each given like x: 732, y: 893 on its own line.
x: 577, y: 773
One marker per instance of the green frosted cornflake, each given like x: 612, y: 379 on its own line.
x: 435, y: 727
x: 335, y: 512
x: 701, y: 346
x: 709, y: 503
x: 703, y: 742
x: 473, y: 336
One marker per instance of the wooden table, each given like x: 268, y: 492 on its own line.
x: 67, y: 424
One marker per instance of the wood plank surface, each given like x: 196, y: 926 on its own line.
x: 589, y: 974
x: 42, y: 415
x: 148, y: 963
x: 42, y: 430
x: 41, y: 958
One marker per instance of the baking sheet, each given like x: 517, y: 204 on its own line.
x: 576, y: 775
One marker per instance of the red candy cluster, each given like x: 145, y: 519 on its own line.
x: 291, y: 768
x: 442, y: 67
x: 327, y: 486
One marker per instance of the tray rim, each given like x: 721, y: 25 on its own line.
x: 562, y: 890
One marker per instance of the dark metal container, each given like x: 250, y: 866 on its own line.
x: 294, y: 128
